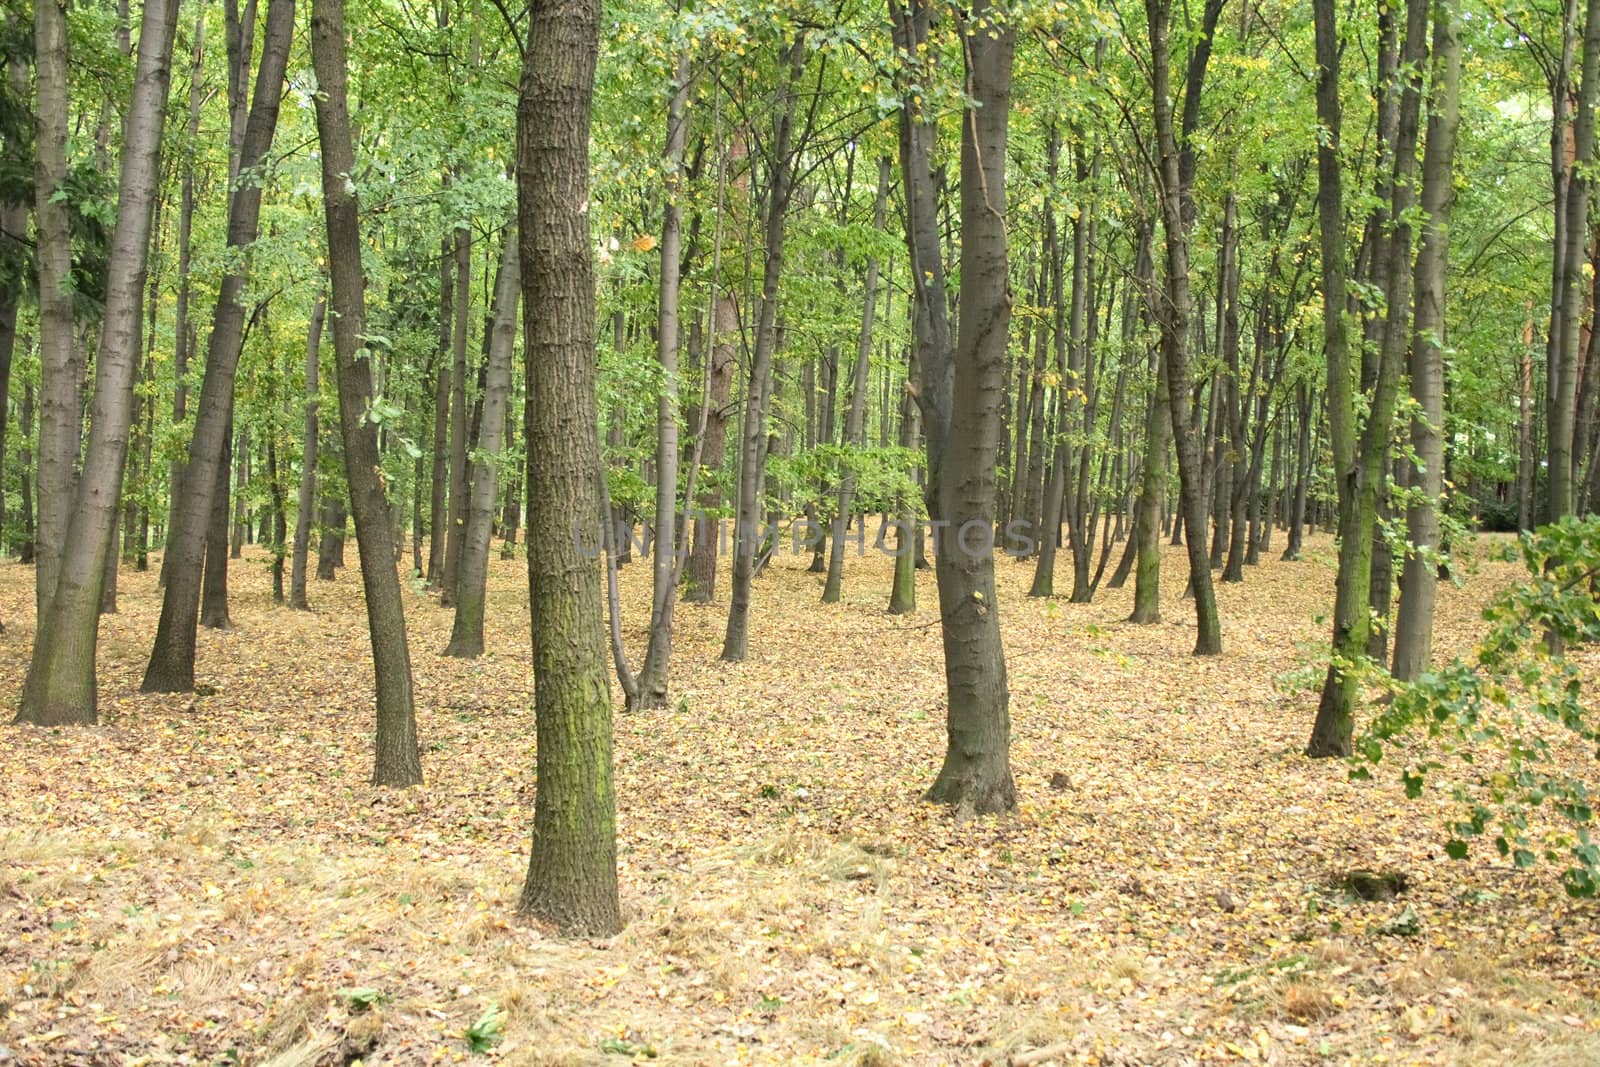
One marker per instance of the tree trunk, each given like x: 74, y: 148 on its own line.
x: 1175, y: 172
x: 572, y: 873
x: 753, y: 449
x: 456, y: 531
x: 665, y: 569
x: 182, y: 330
x: 1413, y: 636
x: 241, y: 478
x: 279, y: 530
x: 466, y: 634
x: 439, y: 484
x: 61, y: 366
x: 171, y: 666
x: 1562, y: 370
x: 700, y: 586
x: 1359, y: 460
x: 1147, y: 528
x: 976, y: 776
x: 60, y: 684
x: 855, y: 419
x: 214, y: 587
x: 307, y: 500
x: 330, y: 546
x: 396, y: 762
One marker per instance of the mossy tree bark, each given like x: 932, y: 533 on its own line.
x: 1360, y: 453
x: 572, y: 867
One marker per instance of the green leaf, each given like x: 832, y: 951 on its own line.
x: 361, y: 998
x: 484, y: 1034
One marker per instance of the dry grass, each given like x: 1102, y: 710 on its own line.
x: 201, y: 878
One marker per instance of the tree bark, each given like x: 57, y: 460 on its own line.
x: 456, y: 531
x: 61, y: 366
x: 572, y: 874
x: 855, y: 419
x: 60, y: 685
x: 439, y: 485
x: 976, y: 775
x: 214, y: 585
x: 305, y: 505
x: 1359, y: 459
x: 753, y: 448
x: 171, y: 666
x: 396, y: 761
x: 466, y: 634
x: 1175, y: 175
x: 1413, y: 636
x: 665, y: 569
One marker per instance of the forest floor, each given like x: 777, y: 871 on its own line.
x: 212, y: 880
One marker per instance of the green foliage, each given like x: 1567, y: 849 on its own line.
x: 486, y: 1033
x: 1513, y: 717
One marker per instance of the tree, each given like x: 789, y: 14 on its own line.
x: 572, y: 867
x: 1174, y: 172
x: 666, y: 566
x: 976, y: 775
x: 758, y: 392
x: 1361, y: 454
x: 466, y: 634
x: 306, y: 502
x: 171, y: 665
x: 60, y: 684
x: 856, y: 418
x: 1413, y: 635
x: 395, y: 762
x: 61, y: 366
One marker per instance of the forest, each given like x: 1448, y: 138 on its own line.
x: 778, y: 531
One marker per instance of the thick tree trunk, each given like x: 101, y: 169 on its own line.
x: 307, y: 501
x: 60, y: 685
x: 976, y: 776
x: 396, y: 762
x: 1572, y: 239
x: 1413, y: 636
x: 466, y: 634
x: 171, y: 666
x: 572, y: 873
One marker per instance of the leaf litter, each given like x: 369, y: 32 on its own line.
x: 210, y: 879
